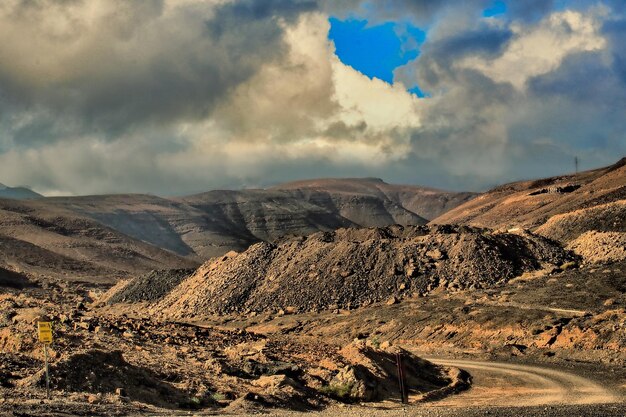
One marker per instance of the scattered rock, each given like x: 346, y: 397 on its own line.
x: 392, y: 301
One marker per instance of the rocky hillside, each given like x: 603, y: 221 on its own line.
x: 210, y: 224
x: 563, y: 207
x: 42, y: 241
x: 585, y: 212
x: 351, y: 268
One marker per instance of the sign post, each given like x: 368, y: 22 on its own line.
x: 45, y: 337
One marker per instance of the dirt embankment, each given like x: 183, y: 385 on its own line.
x: 610, y: 217
x: 350, y: 268
x: 600, y: 247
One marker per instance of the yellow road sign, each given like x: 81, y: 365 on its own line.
x: 45, y: 332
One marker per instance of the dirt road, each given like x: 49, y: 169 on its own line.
x: 506, y: 384
x: 499, y: 389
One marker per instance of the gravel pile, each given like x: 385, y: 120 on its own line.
x: 600, y: 247
x: 150, y: 287
x: 349, y: 268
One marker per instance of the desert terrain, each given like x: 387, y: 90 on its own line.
x: 302, y: 299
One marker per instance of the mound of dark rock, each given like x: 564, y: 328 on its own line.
x: 351, y: 268
x: 13, y: 279
x: 150, y: 287
x: 15, y: 366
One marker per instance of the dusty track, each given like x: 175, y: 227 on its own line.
x: 505, y: 384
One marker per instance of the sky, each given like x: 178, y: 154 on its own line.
x: 172, y: 97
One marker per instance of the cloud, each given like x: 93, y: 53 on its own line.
x: 530, y: 10
x: 300, y: 104
x: 521, y: 101
x: 112, y: 66
x: 180, y: 96
x: 539, y: 49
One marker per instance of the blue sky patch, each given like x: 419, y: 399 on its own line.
x: 375, y: 50
x: 418, y: 92
x: 498, y: 8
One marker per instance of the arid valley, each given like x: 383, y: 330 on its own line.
x: 499, y: 303
x: 313, y: 208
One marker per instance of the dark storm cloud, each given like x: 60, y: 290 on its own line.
x: 587, y: 100
x: 420, y: 12
x: 149, y: 67
x: 438, y: 56
x: 529, y: 10
x: 423, y: 11
x: 615, y: 32
x: 583, y: 78
x: 231, y: 15
x: 486, y: 41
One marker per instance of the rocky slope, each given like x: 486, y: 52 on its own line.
x: 42, y: 241
x: 355, y: 199
x: 351, y: 268
x: 561, y: 207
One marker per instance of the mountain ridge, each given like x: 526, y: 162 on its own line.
x: 18, y: 193
x: 215, y: 222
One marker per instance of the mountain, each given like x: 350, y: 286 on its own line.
x: 42, y: 240
x: 562, y: 208
x: 355, y: 199
x: 107, y: 237
x: 18, y: 193
x: 213, y: 223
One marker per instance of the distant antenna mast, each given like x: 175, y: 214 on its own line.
x: 576, y: 163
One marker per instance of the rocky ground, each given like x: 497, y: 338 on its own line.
x: 102, y: 358
x: 114, y: 359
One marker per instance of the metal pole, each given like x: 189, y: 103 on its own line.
x: 401, y: 382
x: 45, y: 352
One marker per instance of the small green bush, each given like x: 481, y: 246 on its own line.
x: 569, y: 265
x: 375, y: 342
x: 338, y: 391
x: 217, y: 396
